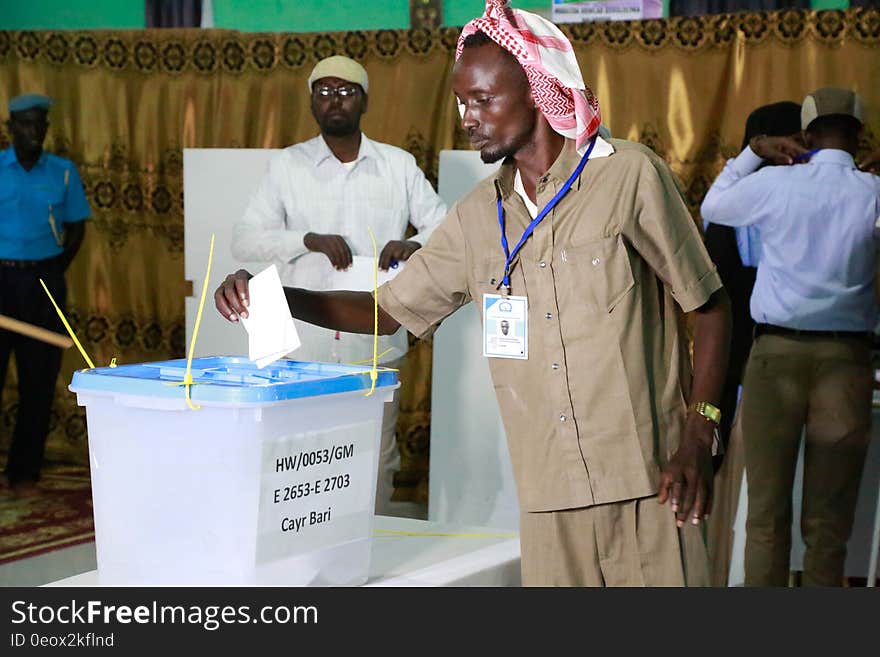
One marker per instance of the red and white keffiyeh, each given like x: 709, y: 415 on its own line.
x: 548, y: 59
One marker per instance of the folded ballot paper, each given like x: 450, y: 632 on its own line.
x: 271, y: 332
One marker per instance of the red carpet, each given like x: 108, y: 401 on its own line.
x: 58, y: 517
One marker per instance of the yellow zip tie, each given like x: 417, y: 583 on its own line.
x: 391, y: 532
x: 364, y: 362
x: 67, y: 326
x: 187, y: 378
x: 374, y: 374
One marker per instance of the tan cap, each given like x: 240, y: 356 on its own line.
x: 340, y: 67
x: 830, y: 100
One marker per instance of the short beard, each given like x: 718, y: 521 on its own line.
x: 500, y: 151
x: 341, y: 130
x: 490, y: 156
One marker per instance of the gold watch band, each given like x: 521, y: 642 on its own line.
x: 707, y: 410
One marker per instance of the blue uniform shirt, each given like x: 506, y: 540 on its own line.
x: 28, y: 199
x: 818, y: 238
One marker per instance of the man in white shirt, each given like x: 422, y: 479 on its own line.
x: 810, y: 367
x: 311, y: 215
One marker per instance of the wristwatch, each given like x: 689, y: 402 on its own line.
x: 708, y: 411
x: 713, y: 414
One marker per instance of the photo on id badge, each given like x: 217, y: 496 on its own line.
x: 505, y: 327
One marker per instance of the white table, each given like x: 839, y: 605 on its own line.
x: 410, y: 552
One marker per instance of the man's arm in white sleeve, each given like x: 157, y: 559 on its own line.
x: 734, y: 197
x: 262, y: 235
x: 426, y: 209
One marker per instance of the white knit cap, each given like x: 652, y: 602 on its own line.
x: 340, y: 67
x: 830, y: 100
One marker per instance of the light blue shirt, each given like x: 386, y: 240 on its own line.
x: 28, y: 197
x: 818, y: 238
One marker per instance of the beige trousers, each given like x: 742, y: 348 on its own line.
x: 820, y: 388
x: 631, y: 543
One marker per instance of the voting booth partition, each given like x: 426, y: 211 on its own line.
x: 217, y: 185
x: 471, y: 477
x: 268, y: 477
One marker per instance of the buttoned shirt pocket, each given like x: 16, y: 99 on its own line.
x: 487, y: 274
x: 602, y: 270
x: 40, y: 202
x: 45, y: 195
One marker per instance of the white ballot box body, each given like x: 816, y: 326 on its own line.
x: 272, y: 480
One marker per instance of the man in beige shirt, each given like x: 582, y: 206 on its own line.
x: 597, y: 412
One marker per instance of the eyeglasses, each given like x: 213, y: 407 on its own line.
x: 342, y: 92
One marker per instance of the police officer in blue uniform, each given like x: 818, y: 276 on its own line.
x: 42, y: 212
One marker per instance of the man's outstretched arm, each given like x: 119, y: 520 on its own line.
x: 351, y: 312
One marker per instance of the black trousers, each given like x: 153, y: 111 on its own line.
x: 739, y: 281
x: 23, y: 298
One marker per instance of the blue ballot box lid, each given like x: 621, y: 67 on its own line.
x: 230, y: 379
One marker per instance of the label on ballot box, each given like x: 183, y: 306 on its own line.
x: 317, y: 489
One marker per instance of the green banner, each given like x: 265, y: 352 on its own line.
x: 72, y: 15
x: 829, y: 4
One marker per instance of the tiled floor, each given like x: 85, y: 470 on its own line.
x: 49, y: 567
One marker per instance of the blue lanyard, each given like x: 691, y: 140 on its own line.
x: 510, y: 255
x: 805, y: 157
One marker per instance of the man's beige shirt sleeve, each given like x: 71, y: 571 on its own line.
x: 662, y: 231
x: 434, y: 282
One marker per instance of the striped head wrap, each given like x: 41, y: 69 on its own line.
x: 548, y: 60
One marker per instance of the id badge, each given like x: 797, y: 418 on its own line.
x: 505, y: 327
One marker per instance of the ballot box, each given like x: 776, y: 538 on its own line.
x: 271, y: 481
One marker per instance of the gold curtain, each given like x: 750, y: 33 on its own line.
x: 128, y: 102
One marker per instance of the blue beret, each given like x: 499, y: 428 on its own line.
x: 29, y: 101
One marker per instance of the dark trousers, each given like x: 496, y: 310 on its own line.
x: 23, y: 298
x: 739, y: 281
